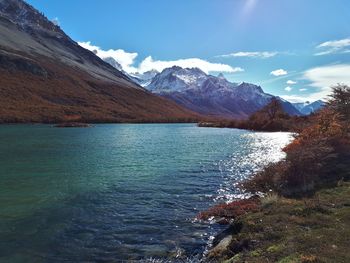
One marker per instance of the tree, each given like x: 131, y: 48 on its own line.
x: 318, y: 157
x: 273, y: 108
x: 340, y: 101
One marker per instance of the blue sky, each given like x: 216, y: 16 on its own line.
x: 266, y: 42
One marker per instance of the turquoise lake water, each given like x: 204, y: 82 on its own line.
x: 119, y: 191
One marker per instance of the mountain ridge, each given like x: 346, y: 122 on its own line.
x: 48, y: 77
x: 145, y: 80
x: 210, y: 95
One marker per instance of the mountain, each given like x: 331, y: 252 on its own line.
x: 210, y: 95
x: 177, y: 79
x: 111, y: 61
x: 307, y: 108
x: 300, y: 105
x: 48, y: 77
x: 143, y: 79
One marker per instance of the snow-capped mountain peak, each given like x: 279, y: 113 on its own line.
x: 143, y: 79
x: 211, y: 95
x: 177, y: 79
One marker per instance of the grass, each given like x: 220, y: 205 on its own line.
x: 285, y: 230
x: 269, y: 199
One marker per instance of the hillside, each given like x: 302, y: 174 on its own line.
x: 48, y: 77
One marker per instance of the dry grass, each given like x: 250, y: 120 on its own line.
x: 315, y: 229
x: 269, y: 199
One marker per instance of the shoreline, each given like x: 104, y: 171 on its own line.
x: 280, y: 229
x: 92, y: 123
x: 302, y: 213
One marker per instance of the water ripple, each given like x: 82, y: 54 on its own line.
x: 119, y: 192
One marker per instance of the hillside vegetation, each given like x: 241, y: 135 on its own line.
x: 48, y: 77
x: 304, y: 212
x: 272, y: 117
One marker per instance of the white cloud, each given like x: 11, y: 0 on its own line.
x: 291, y: 82
x: 149, y: 63
x: 279, y: 72
x: 127, y: 61
x: 334, y: 46
x: 294, y: 98
x: 256, y: 54
x: 322, y: 79
x: 288, y: 89
x: 336, y: 43
x: 325, y: 77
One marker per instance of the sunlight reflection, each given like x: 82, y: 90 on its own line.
x: 262, y: 148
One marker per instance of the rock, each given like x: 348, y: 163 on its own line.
x: 225, y: 245
x: 221, y: 248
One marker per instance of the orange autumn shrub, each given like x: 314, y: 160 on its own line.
x: 319, y: 156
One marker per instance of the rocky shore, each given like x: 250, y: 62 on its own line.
x: 303, y: 214
x: 278, y: 229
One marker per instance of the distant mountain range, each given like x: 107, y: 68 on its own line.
x: 48, y: 77
x: 212, y: 95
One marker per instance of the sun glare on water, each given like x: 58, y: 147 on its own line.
x: 261, y: 149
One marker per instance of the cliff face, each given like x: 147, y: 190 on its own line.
x: 48, y: 77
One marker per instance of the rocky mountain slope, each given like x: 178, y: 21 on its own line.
x: 211, y: 95
x: 48, y: 77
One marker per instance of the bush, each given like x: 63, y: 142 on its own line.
x: 230, y: 210
x: 268, y: 179
x: 319, y: 156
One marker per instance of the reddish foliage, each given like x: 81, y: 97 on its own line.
x: 318, y: 157
x: 40, y: 89
x: 270, y: 118
x: 231, y: 210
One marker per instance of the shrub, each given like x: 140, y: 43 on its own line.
x: 268, y: 179
x: 230, y: 210
x: 319, y: 156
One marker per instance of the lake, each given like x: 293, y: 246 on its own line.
x: 119, y: 191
